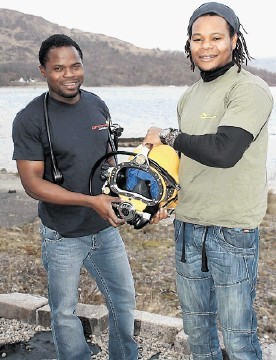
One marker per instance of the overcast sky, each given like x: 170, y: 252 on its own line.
x: 152, y: 23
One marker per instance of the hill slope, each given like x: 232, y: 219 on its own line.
x: 108, y: 61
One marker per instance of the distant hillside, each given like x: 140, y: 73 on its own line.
x: 108, y: 61
x: 268, y: 64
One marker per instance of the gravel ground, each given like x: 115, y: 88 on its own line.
x: 20, y: 341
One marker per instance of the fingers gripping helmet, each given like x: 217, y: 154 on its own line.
x: 147, y: 180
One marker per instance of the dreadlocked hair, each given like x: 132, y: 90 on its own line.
x: 240, y: 54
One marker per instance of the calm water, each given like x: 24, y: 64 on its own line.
x: 134, y: 108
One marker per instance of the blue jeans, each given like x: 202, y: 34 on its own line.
x: 104, y: 256
x: 225, y: 291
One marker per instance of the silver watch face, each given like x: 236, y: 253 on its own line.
x: 164, y: 133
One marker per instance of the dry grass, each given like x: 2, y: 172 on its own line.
x: 151, y: 254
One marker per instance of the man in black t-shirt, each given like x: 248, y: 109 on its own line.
x: 77, y: 229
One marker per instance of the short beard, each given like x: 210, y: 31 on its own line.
x: 69, y: 96
x: 206, y: 71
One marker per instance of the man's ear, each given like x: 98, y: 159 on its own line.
x: 42, y: 71
x: 234, y: 41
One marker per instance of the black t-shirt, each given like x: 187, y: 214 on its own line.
x: 79, y: 135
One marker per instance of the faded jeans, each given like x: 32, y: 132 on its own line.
x: 104, y: 256
x: 225, y: 292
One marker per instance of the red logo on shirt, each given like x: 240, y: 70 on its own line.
x: 99, y: 127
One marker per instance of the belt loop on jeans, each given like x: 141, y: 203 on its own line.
x: 204, y: 261
x: 183, y: 256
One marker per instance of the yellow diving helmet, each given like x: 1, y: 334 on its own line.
x: 146, y: 181
x: 160, y: 175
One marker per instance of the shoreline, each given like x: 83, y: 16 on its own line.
x: 18, y: 208
x: 130, y: 142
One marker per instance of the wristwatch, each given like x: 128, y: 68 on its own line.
x: 163, y: 134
